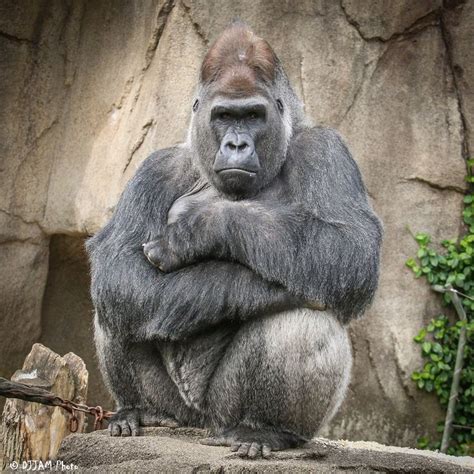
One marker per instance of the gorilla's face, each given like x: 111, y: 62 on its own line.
x: 241, y: 142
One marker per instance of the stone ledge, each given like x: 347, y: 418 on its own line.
x: 179, y: 450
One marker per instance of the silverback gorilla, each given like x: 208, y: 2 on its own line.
x: 226, y: 277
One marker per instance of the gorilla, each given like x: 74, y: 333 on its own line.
x: 224, y: 282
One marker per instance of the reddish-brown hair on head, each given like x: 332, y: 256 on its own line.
x: 238, y: 59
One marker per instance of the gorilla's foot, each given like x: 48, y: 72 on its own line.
x: 127, y: 421
x: 253, y: 443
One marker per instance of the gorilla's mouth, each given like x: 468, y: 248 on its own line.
x: 237, y: 173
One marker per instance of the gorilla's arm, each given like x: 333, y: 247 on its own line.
x: 321, y: 244
x: 137, y: 301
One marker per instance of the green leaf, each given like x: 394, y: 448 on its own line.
x: 422, y: 442
x: 420, y: 336
x: 421, y: 252
x: 422, y: 238
x: 437, y: 348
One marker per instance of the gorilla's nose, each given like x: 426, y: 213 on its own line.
x: 237, y: 152
x: 237, y: 143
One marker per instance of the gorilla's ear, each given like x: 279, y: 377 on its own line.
x: 195, y: 105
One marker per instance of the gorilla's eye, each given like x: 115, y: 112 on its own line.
x: 224, y: 116
x: 280, y: 105
x: 253, y: 116
x: 195, y: 105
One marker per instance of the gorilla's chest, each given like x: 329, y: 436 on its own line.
x: 191, y: 364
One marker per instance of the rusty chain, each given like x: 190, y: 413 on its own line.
x: 29, y: 393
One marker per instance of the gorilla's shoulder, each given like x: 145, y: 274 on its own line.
x: 317, y: 138
x: 320, y: 145
x: 164, y: 163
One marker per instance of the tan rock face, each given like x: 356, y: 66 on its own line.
x: 88, y: 90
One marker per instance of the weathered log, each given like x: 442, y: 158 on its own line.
x: 34, y: 431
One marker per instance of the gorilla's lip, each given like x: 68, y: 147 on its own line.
x: 237, y: 172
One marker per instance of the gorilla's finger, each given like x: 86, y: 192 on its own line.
x: 134, y: 428
x: 114, y: 429
x: 235, y: 446
x: 266, y: 451
x: 125, y: 428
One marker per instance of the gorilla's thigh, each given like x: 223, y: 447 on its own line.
x: 137, y: 377
x: 288, y: 371
x: 192, y: 363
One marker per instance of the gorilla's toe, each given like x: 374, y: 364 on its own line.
x: 251, y: 443
x: 243, y: 450
x: 266, y: 451
x: 251, y: 450
x: 254, y: 451
x: 114, y: 429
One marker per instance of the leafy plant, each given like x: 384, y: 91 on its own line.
x: 454, y: 265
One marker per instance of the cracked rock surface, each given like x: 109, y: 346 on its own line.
x: 89, y: 89
x: 178, y: 450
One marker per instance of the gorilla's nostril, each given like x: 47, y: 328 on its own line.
x: 242, y: 147
x: 231, y: 146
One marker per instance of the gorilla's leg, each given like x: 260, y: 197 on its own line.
x: 141, y: 386
x: 280, y: 380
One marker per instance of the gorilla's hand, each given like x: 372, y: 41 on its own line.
x: 160, y: 254
x: 172, y: 250
x: 178, y: 246
x: 201, y: 193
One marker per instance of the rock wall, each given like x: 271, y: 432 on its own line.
x: 89, y: 88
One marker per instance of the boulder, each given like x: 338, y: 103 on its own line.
x: 179, y: 450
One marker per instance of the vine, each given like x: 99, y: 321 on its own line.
x: 453, y: 265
